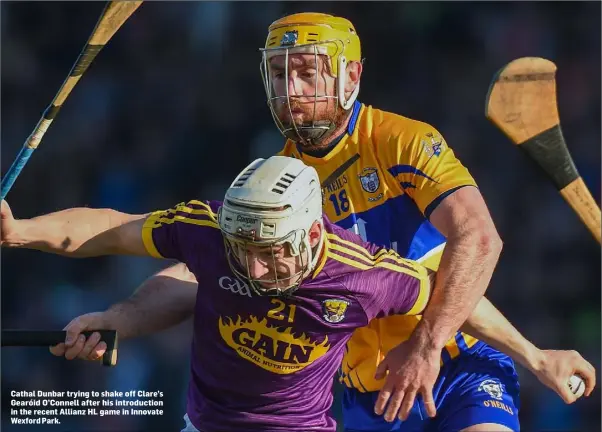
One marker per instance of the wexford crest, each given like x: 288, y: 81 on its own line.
x: 369, y: 179
x: 333, y: 310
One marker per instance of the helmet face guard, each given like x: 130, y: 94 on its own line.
x: 272, y: 202
x: 325, y: 37
x: 270, y: 285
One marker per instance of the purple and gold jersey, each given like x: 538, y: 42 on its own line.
x: 382, y: 180
x: 267, y: 364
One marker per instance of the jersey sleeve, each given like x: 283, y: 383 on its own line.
x: 424, y: 166
x: 180, y: 232
x: 393, y: 286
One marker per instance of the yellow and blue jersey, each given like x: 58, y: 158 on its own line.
x: 382, y: 180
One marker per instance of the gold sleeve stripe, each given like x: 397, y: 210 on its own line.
x: 158, y: 218
x: 185, y: 209
x: 392, y: 255
x: 383, y: 264
x: 424, y: 290
x: 350, y: 244
x: 424, y: 294
x: 413, y: 271
x: 179, y: 218
x: 395, y: 267
x: 347, y: 261
x: 189, y: 210
x: 207, y: 210
x: 147, y: 234
x: 384, y: 253
x: 358, y: 255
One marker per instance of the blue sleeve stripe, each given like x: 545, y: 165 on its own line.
x: 433, y: 205
x: 408, y: 169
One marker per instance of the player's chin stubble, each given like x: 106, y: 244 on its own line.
x: 323, y: 114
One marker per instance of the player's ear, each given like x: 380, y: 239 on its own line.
x: 354, y: 72
x: 314, y: 234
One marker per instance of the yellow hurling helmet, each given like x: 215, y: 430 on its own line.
x: 317, y: 34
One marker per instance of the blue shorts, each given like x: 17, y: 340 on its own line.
x: 472, y: 389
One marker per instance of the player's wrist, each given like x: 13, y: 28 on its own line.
x: 19, y: 234
x: 427, y: 337
x: 116, y: 318
x: 535, y: 360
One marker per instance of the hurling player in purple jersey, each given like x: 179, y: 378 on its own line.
x: 283, y: 289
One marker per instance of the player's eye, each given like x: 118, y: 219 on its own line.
x: 265, y: 255
x: 309, y: 74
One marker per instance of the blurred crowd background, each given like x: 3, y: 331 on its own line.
x: 173, y: 107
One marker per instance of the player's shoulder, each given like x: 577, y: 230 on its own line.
x: 359, y: 267
x: 203, y: 208
x: 391, y: 127
x: 339, y: 237
x: 352, y: 258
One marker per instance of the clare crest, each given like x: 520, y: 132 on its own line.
x: 289, y: 38
x: 369, y: 179
x: 333, y: 310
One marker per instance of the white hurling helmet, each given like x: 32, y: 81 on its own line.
x: 272, y: 202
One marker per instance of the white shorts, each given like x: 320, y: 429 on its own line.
x: 189, y: 426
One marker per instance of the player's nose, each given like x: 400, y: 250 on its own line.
x: 257, y: 269
x: 292, y: 84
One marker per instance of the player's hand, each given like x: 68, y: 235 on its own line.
x: 412, y: 369
x: 76, y: 345
x: 8, y: 223
x: 557, y: 367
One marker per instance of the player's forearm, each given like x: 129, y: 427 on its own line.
x: 76, y: 232
x: 489, y: 325
x: 162, y: 301
x: 465, y: 270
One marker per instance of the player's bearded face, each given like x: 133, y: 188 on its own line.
x: 273, y: 266
x: 312, y: 97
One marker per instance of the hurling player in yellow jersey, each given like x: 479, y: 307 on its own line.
x: 395, y: 181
